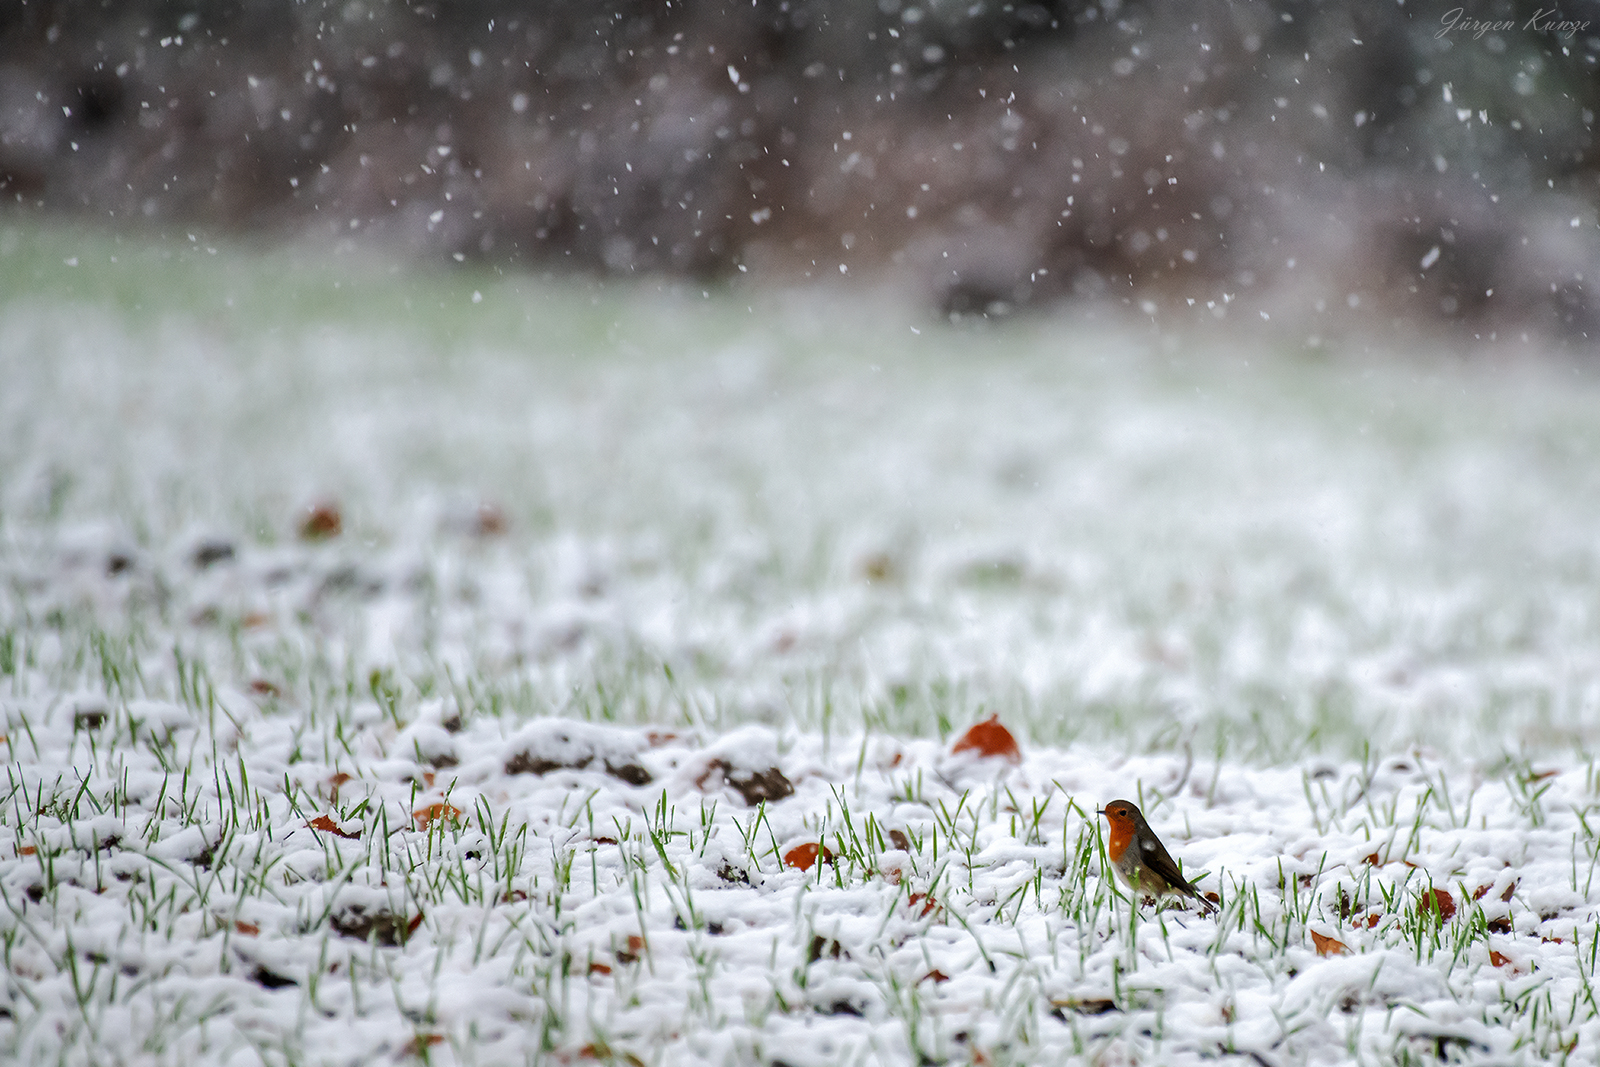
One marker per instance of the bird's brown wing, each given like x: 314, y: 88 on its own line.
x: 1156, y: 858
x: 1153, y: 854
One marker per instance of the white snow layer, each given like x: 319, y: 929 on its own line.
x: 297, y: 897
x: 631, y: 599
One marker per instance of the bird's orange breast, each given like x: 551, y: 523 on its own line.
x: 1121, y: 836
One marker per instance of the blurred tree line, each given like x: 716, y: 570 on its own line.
x: 1420, y: 161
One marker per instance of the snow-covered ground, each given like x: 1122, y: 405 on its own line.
x: 500, y: 771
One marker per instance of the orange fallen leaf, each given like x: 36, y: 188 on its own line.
x: 262, y: 687
x: 806, y: 855
x: 27, y: 850
x: 599, y: 968
x: 1373, y: 860
x: 1499, y: 959
x: 1329, y: 946
x: 433, y: 813
x: 320, y: 522
x: 247, y: 929
x: 934, y: 976
x: 328, y: 826
x: 1372, y: 920
x: 416, y: 921
x: 928, y: 903
x: 417, y: 1044
x: 1437, y: 900
x: 631, y: 953
x: 989, y: 738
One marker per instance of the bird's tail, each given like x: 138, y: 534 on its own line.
x: 1207, y: 905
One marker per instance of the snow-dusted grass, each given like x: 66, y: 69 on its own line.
x: 463, y: 783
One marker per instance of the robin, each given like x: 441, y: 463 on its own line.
x: 1141, y: 860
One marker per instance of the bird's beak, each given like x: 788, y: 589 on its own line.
x: 1099, y: 811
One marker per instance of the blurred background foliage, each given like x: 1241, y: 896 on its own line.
x: 1391, y: 162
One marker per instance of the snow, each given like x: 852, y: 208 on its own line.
x: 634, y: 596
x: 528, y: 901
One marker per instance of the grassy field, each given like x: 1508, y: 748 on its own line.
x: 386, y: 657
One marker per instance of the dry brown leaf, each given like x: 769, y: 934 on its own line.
x: 803, y: 857
x: 321, y: 522
x: 1329, y: 946
x: 1437, y: 900
x: 328, y: 826
x: 433, y: 813
x: 421, y: 1042
x: 989, y: 738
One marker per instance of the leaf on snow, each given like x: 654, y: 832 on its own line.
x: 989, y: 738
x: 805, y: 856
x: 1329, y: 946
x: 1437, y: 900
x: 440, y: 812
x: 328, y: 826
